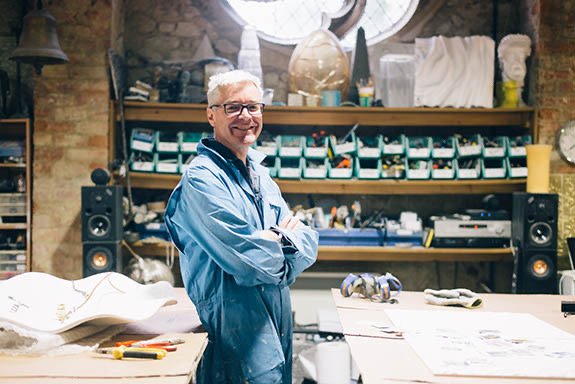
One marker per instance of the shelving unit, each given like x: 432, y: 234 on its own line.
x: 15, y: 203
x: 338, y: 116
x: 333, y: 253
x: 378, y: 119
x: 359, y: 187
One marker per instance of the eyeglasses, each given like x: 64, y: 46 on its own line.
x: 234, y: 109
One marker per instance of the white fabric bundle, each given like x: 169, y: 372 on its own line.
x: 459, y: 296
x: 454, y: 71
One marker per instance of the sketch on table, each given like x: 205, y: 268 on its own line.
x: 475, y: 343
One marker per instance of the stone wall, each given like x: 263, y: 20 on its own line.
x: 167, y: 34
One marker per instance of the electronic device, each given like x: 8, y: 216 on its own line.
x: 568, y: 308
x: 461, y: 231
x: 534, y: 237
x: 567, y: 277
x: 102, y: 225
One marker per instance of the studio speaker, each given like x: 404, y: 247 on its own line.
x: 102, y: 225
x: 102, y: 256
x: 534, y: 233
x: 102, y: 213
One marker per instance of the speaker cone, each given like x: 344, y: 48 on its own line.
x: 99, y: 225
x: 540, y: 267
x: 541, y: 233
x: 100, y: 258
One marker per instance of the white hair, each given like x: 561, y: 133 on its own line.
x: 228, y: 78
x: 516, y: 40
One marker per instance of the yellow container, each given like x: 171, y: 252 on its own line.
x: 538, y: 161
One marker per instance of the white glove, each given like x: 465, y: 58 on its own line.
x: 459, y: 296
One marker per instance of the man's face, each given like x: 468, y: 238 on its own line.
x: 514, y: 66
x: 237, y: 132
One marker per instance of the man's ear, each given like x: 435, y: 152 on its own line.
x: 211, y: 117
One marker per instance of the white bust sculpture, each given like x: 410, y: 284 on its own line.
x: 512, y: 52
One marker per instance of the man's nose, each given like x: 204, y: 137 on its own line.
x: 244, y: 112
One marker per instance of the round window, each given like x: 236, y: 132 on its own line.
x: 290, y: 21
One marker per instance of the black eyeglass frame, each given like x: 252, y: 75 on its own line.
x: 246, y: 106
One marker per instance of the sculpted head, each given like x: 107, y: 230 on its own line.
x: 512, y: 52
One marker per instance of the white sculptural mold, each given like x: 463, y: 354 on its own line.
x: 454, y: 71
x: 42, y: 302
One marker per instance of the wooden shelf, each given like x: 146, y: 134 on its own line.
x: 11, y: 251
x: 359, y: 187
x: 415, y: 254
x: 334, y: 253
x: 22, y: 120
x: 13, y: 226
x: 14, y: 165
x: 373, y: 116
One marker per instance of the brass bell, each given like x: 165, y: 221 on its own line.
x: 39, y: 42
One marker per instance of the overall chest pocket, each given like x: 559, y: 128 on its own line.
x: 273, y: 206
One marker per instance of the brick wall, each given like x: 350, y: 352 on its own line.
x: 554, y: 92
x: 70, y: 132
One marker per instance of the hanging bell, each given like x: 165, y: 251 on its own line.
x: 39, y: 42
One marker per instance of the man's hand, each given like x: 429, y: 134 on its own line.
x: 290, y: 223
x: 270, y: 235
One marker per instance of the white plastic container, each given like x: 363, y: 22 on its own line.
x: 396, y: 80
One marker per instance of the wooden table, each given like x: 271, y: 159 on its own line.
x: 393, y: 361
x: 179, y: 367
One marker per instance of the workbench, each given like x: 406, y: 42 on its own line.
x: 178, y: 367
x: 393, y: 361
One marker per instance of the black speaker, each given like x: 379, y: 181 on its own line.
x: 102, y: 256
x: 102, y: 213
x: 534, y: 233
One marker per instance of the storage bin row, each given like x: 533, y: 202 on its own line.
x: 13, y: 261
x: 150, y: 141
x: 159, y: 162
x: 396, y: 167
x: 368, y: 237
x: 317, y: 146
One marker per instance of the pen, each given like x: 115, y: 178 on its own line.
x: 165, y: 347
x: 148, y: 343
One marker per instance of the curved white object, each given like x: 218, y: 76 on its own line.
x: 43, y: 302
x: 454, y: 71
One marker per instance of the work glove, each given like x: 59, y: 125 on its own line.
x: 459, y: 296
x: 380, y: 288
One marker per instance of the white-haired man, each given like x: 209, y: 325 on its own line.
x: 240, y: 246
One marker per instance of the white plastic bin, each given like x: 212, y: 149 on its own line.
x: 396, y: 80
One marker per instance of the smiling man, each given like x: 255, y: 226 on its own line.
x: 240, y: 246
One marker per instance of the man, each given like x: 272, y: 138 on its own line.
x: 240, y: 247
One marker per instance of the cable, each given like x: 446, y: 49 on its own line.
x: 116, y: 71
x: 147, y: 270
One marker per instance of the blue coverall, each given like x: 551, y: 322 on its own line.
x: 237, y: 279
